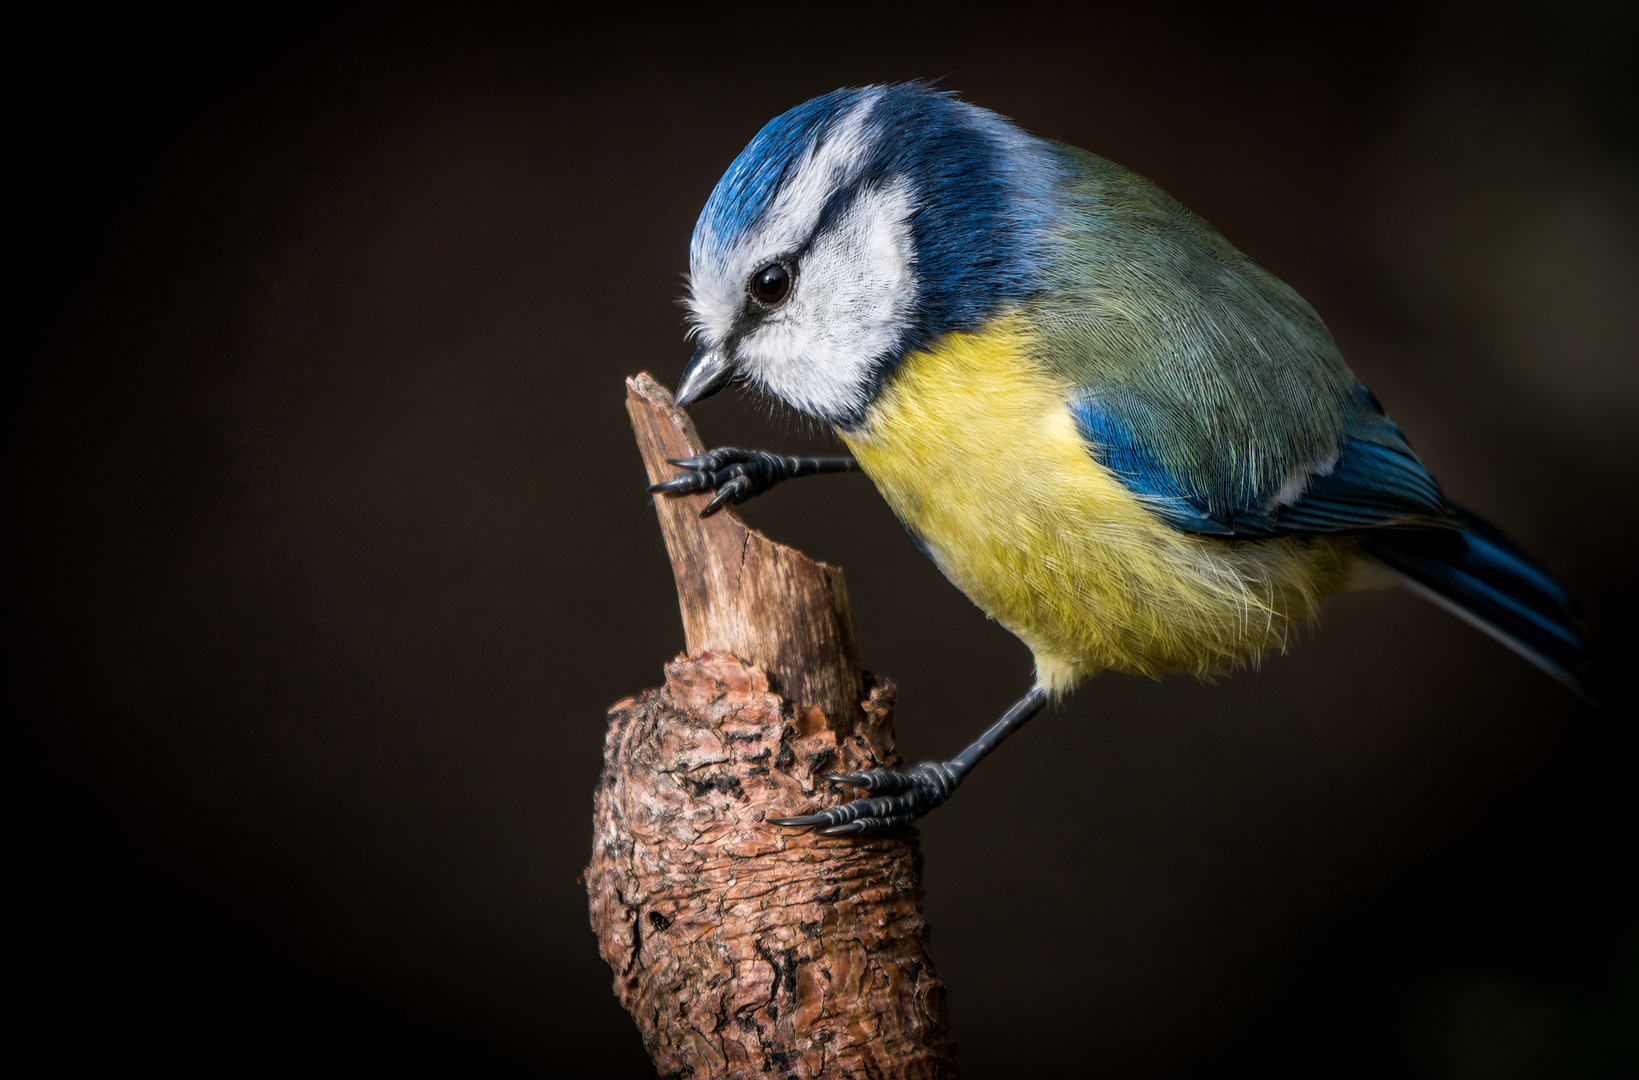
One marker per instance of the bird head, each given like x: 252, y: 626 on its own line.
x: 854, y: 229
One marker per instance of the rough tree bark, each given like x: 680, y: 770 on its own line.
x: 743, y: 949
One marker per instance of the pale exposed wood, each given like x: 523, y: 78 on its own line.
x: 740, y: 592
x: 743, y: 949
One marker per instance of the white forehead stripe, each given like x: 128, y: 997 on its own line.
x: 822, y: 170
x: 717, y: 274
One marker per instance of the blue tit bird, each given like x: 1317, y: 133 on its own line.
x: 1126, y: 442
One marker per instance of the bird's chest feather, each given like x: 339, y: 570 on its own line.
x: 974, y: 447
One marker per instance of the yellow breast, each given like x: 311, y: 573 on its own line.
x: 973, y: 446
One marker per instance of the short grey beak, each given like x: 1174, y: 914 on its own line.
x: 707, y: 372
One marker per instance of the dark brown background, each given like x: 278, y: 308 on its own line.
x: 329, y: 549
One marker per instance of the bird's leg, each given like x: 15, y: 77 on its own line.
x: 736, y: 475
x: 910, y: 794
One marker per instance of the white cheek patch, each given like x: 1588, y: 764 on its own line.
x: 853, y: 300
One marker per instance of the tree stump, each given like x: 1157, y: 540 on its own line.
x: 744, y: 949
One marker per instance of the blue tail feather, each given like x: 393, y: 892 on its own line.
x: 1480, y: 575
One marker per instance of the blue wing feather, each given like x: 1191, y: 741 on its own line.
x: 1112, y: 436
x: 1375, y: 481
x: 1375, y: 487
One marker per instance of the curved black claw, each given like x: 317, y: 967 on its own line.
x: 729, y: 471
x: 908, y: 795
x: 736, y: 475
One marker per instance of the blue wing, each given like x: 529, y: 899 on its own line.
x: 1374, y: 487
x: 1374, y: 481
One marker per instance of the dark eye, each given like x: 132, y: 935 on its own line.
x: 771, y: 283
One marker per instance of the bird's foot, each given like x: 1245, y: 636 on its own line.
x: 736, y: 475
x: 905, y: 797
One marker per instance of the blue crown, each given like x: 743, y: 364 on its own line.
x: 744, y: 193
x: 986, y: 195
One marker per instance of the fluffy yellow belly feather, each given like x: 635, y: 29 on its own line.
x: 973, y: 446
